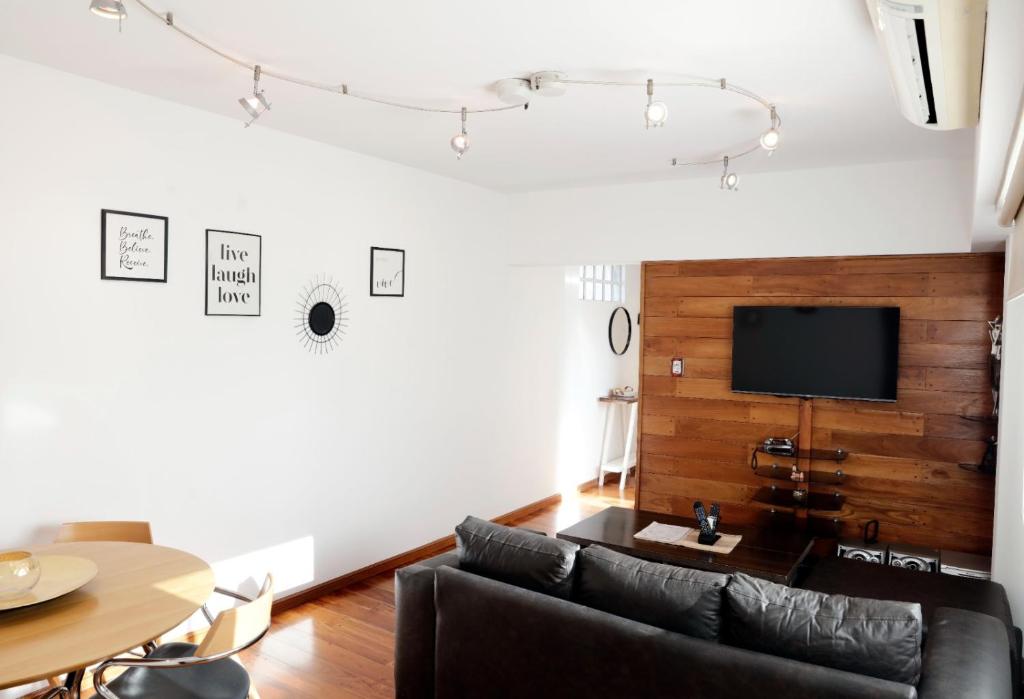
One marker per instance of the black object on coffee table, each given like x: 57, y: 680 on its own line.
x: 708, y: 523
x: 771, y: 553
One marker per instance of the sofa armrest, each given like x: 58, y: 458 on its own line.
x: 448, y: 558
x: 414, y: 626
x: 966, y: 655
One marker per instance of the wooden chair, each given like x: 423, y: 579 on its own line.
x: 185, y: 669
x: 130, y: 532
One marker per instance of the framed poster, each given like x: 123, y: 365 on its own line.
x: 387, y: 272
x: 234, y: 273
x: 133, y: 246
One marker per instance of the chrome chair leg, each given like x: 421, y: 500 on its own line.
x: 72, y: 688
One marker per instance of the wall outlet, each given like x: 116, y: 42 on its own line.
x: 678, y: 366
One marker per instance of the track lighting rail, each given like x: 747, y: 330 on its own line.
x: 694, y: 81
x: 336, y: 88
x: 697, y: 81
x: 515, y: 92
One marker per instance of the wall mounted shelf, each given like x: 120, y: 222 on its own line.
x: 836, y: 455
x: 821, y: 524
x: 784, y: 473
x: 782, y: 498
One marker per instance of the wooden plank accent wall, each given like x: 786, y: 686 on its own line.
x: 696, y: 435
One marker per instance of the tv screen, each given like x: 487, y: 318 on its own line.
x: 815, y: 351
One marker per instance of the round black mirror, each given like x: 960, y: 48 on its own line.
x: 620, y: 330
x: 321, y: 318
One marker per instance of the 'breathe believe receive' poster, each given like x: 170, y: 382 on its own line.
x: 133, y: 246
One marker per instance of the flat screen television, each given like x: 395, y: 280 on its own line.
x: 816, y: 351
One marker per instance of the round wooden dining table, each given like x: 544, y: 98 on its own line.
x: 140, y: 592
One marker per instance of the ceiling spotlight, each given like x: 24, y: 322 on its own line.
x: 109, y: 9
x: 770, y: 138
x: 257, y: 104
x: 729, y: 179
x: 460, y: 141
x: 655, y: 113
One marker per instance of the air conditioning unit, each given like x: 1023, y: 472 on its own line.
x: 934, y: 49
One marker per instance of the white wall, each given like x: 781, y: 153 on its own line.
x: 1000, y: 102
x: 1008, y: 530
x: 122, y: 400
x: 589, y: 370
x: 890, y: 208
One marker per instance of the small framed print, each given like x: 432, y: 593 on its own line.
x: 234, y: 273
x: 133, y: 247
x: 387, y: 272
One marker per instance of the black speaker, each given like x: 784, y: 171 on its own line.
x: 914, y: 558
x: 859, y: 551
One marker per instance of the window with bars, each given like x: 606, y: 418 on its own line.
x: 603, y: 283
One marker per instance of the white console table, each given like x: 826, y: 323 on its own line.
x: 626, y: 407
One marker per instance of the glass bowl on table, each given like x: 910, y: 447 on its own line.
x: 19, y: 573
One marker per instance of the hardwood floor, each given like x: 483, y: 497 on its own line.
x: 342, y: 645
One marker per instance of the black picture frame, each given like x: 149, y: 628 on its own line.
x: 103, y: 245
x: 373, y: 253
x: 206, y: 276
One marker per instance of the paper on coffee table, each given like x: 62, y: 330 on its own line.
x: 663, y: 533
x: 686, y: 536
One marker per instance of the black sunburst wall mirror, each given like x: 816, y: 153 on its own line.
x: 321, y: 315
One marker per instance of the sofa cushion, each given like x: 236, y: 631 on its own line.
x: 870, y: 637
x: 678, y: 599
x: 516, y: 556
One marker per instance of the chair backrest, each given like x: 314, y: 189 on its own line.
x: 239, y: 627
x: 131, y: 532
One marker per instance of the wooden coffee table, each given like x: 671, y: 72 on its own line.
x: 771, y: 553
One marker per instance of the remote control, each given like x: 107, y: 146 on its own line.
x: 702, y: 519
x: 708, y: 523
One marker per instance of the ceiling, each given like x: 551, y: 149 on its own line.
x: 817, y: 60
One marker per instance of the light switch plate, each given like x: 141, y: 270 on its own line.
x: 678, y: 366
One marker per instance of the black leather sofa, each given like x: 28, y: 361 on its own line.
x: 845, y: 576
x: 528, y: 633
